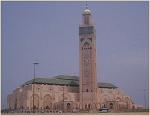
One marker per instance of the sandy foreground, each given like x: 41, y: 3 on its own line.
x: 110, y: 113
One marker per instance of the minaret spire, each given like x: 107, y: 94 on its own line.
x: 87, y: 19
x: 86, y: 5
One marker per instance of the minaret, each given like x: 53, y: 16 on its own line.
x: 88, y: 83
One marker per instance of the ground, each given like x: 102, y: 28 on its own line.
x: 110, y: 113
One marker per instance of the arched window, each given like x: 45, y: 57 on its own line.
x: 104, y: 106
x: 89, y: 106
x: 47, y: 101
x: 87, y: 90
x: 111, y: 105
x: 47, y: 107
x: 68, y: 105
x: 85, y: 106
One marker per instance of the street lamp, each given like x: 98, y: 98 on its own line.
x: 63, y: 98
x: 145, y: 98
x: 33, y: 82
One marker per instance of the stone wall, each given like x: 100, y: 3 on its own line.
x: 56, y: 97
x: 113, y: 99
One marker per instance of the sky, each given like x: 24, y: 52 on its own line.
x: 48, y: 33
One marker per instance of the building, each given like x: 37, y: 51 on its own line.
x: 62, y: 93
x: 70, y: 93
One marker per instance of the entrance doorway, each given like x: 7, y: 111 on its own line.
x: 111, y: 105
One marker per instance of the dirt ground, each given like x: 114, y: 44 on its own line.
x: 110, y: 113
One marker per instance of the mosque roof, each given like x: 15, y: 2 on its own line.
x: 106, y: 85
x: 65, y: 80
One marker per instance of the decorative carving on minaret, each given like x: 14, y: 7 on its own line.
x: 88, y: 84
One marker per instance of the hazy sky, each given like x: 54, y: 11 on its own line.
x: 48, y: 33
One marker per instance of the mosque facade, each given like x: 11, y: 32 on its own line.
x: 62, y: 93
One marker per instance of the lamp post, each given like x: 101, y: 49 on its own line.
x: 145, y: 98
x: 33, y: 82
x: 63, y: 98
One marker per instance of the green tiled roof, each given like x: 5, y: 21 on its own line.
x: 66, y: 77
x: 106, y: 85
x: 65, y: 80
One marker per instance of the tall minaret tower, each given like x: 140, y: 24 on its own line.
x: 88, y: 83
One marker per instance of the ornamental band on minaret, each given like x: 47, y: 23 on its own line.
x: 88, y: 83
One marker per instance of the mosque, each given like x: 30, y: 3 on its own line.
x: 73, y: 93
